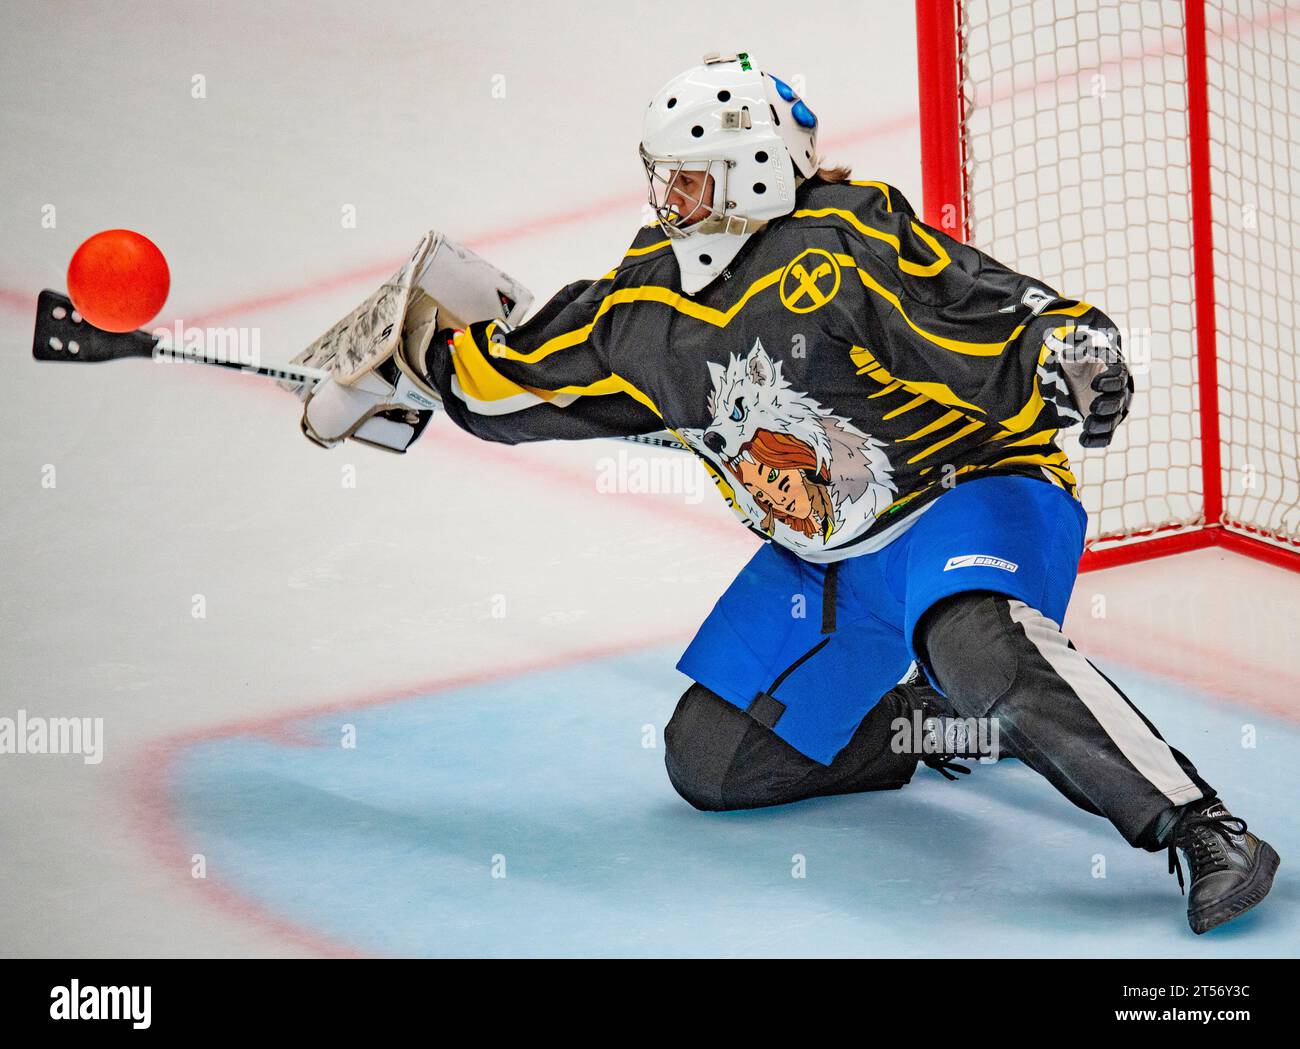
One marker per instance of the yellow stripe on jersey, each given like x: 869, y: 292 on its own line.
x: 919, y: 399
x: 917, y: 269
x: 895, y: 385
x: 611, y: 384
x: 1058, y: 463
x: 883, y: 187
x: 937, y: 391
x: 482, y: 382
x: 634, y: 252
x: 902, y: 500
x: 1033, y: 408
x: 930, y: 427
x: 1056, y: 468
x: 642, y: 293
x: 932, y: 392
x: 1061, y: 477
x: 1028, y: 415
x: 476, y: 375
x: 1017, y: 423
x: 889, y: 206
x: 1077, y: 310
x: 1041, y: 437
x: 969, y: 349
x: 957, y: 435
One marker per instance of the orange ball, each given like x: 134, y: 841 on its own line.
x: 118, y: 280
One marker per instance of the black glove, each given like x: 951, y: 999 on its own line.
x: 1086, y: 380
x: 1109, y: 408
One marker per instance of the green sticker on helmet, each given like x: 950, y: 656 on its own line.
x: 744, y: 61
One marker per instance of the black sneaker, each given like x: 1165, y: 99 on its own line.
x: 1231, y: 869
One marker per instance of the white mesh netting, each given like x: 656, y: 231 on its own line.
x: 1254, y: 85
x: 1078, y: 172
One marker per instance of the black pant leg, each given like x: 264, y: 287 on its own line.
x: 996, y: 657
x: 718, y: 757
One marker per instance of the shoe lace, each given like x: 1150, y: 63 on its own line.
x: 945, y: 765
x: 1201, y: 837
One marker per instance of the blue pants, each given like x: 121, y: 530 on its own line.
x: 809, y: 655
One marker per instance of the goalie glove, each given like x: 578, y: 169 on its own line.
x: 377, y: 390
x: 386, y: 404
x: 1085, y: 379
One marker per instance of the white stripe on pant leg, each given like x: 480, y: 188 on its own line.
x: 1146, y: 751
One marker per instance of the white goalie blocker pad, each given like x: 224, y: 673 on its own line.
x: 372, y: 410
x: 376, y: 391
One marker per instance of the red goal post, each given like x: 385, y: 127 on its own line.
x: 1140, y: 154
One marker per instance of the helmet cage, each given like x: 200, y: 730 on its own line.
x: 663, y: 175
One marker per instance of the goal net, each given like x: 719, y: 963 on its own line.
x: 1139, y: 154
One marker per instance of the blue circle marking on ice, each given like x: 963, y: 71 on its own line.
x: 532, y: 816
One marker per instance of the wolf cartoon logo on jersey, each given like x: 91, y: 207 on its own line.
x: 798, y: 464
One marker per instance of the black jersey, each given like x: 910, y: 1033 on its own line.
x: 849, y: 366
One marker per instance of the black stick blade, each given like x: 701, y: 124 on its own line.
x: 62, y: 334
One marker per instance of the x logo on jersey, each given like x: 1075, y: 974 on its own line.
x: 804, y: 286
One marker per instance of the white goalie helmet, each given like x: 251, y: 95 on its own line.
x: 747, y: 129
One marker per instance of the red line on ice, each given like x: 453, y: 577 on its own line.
x: 23, y: 301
